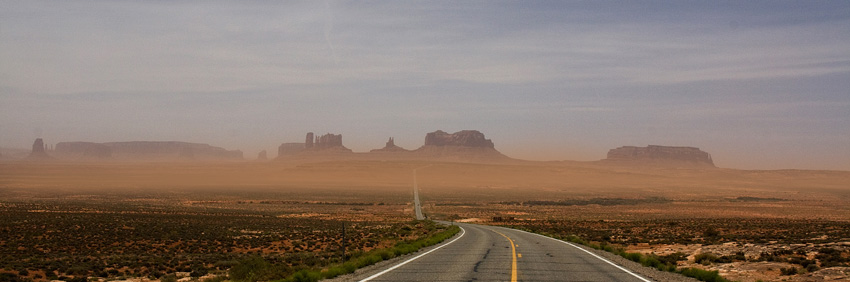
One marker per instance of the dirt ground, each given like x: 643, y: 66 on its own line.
x: 659, y: 210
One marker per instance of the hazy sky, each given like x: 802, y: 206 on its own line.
x: 758, y: 84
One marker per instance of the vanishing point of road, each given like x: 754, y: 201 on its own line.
x: 491, y: 253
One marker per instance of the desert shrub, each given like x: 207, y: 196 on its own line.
x: 738, y: 256
x: 305, y: 276
x: 216, y: 279
x: 652, y: 261
x: 636, y: 257
x: 812, y: 268
x: 711, y: 232
x: 251, y: 269
x: 830, y: 257
x: 11, y: 277
x: 673, y: 258
x: 703, y: 275
x: 788, y: 271
x: 705, y: 258
x: 78, y: 279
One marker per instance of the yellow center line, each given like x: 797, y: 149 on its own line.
x: 513, y: 256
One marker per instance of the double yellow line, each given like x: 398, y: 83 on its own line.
x: 513, y: 256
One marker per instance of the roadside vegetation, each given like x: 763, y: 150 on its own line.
x: 257, y: 269
x: 615, y: 237
x: 74, y: 240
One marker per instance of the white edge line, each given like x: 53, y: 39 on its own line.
x: 463, y: 231
x: 592, y: 254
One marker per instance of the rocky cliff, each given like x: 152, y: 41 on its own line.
x: 660, y: 154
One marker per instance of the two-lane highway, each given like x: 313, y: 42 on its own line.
x: 417, y: 206
x: 487, y: 253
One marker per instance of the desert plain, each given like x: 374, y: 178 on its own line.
x: 191, y: 220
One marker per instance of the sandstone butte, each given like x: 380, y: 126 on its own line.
x: 660, y: 154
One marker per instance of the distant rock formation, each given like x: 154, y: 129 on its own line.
x: 86, y: 150
x: 38, y: 151
x: 390, y: 147
x: 144, y: 151
x: 327, y: 144
x: 168, y: 150
x: 327, y: 141
x: 465, y: 145
x: 660, y: 154
x: 289, y: 149
x: 466, y: 138
x: 262, y: 156
x: 308, y: 143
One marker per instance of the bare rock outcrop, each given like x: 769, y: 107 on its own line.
x: 262, y: 156
x: 38, y: 151
x: 655, y: 153
x: 390, y: 147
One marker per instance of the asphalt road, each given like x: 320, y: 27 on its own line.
x: 487, y: 253
x: 417, y: 207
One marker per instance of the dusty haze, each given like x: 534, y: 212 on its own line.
x: 761, y: 84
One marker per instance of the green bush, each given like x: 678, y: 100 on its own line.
x: 705, y: 258
x: 703, y: 275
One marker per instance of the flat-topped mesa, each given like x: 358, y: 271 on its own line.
x: 465, y: 146
x: 88, y: 150
x: 289, y: 149
x: 328, y: 143
x: 465, y: 138
x: 144, y: 151
x: 660, y: 153
x: 262, y: 156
